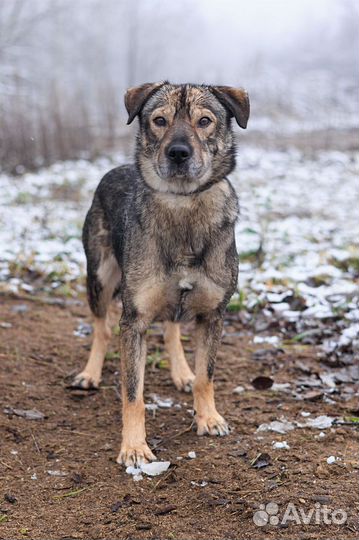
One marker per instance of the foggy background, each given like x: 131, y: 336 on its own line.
x: 64, y: 67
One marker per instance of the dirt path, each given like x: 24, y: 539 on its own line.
x: 215, y: 495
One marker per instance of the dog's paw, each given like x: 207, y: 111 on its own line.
x: 213, y: 424
x: 183, y: 381
x: 135, y: 455
x: 85, y: 381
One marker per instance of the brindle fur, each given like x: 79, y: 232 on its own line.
x: 159, y: 237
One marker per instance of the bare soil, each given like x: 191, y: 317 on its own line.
x: 212, y: 496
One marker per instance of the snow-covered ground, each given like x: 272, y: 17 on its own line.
x: 40, y: 224
x: 297, y: 235
x: 299, y: 225
x: 298, y: 241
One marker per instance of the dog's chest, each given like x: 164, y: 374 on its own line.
x: 184, y: 233
x: 185, y: 250
x: 188, y: 292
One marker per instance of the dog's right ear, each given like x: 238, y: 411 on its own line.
x: 136, y: 97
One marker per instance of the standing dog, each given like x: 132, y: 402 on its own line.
x: 160, y: 236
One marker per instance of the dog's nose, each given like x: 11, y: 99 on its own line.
x: 179, y: 152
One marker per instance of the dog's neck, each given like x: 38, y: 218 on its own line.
x: 212, y: 199
x: 180, y: 186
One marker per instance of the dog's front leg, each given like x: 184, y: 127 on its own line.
x: 208, y: 335
x: 134, y: 449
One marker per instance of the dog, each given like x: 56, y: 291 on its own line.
x: 159, y: 237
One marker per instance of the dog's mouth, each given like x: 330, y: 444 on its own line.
x: 179, y: 171
x: 188, y: 171
x: 181, y: 178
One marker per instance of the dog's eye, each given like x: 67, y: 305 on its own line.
x: 159, y: 121
x: 204, y: 121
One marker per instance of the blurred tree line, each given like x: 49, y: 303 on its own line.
x: 64, y: 66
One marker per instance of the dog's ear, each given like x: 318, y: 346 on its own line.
x: 136, y: 97
x: 236, y: 101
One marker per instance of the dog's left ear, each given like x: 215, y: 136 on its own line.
x: 236, y: 101
x: 136, y: 97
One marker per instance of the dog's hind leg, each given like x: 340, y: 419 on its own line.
x: 208, y: 334
x: 91, y: 375
x: 181, y: 373
x: 101, y: 287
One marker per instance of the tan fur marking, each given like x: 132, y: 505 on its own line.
x: 149, y: 297
x: 181, y: 373
x: 167, y: 111
x: 197, y: 112
x: 208, y: 420
x: 206, y: 294
x: 109, y: 275
x: 91, y: 375
x: 134, y: 449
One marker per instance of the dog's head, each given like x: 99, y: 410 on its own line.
x: 185, y: 140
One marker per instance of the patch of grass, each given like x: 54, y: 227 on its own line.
x: 69, y: 190
x: 25, y: 267
x: 73, y: 493
x: 23, y: 198
x: 112, y: 355
x: 351, y: 419
x: 250, y: 255
x: 340, y: 310
x: 249, y: 230
x: 116, y: 330
x: 155, y: 360
x: 351, y: 264
x: 65, y: 290
x: 3, y: 518
x: 237, y: 302
x: 61, y: 272
x: 354, y: 263
x: 299, y: 337
x: 277, y: 281
x: 254, y: 256
x: 295, y: 347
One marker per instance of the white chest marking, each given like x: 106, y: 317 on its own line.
x: 185, y: 285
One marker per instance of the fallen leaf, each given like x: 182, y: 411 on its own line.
x: 73, y: 493
x: 28, y: 414
x: 262, y: 383
x: 116, y: 506
x: 261, y: 461
x: 219, y: 502
x: 321, y: 471
x: 143, y: 526
x: 165, y: 510
x: 238, y: 453
x: 312, y: 395
x: 322, y: 499
x: 10, y: 498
